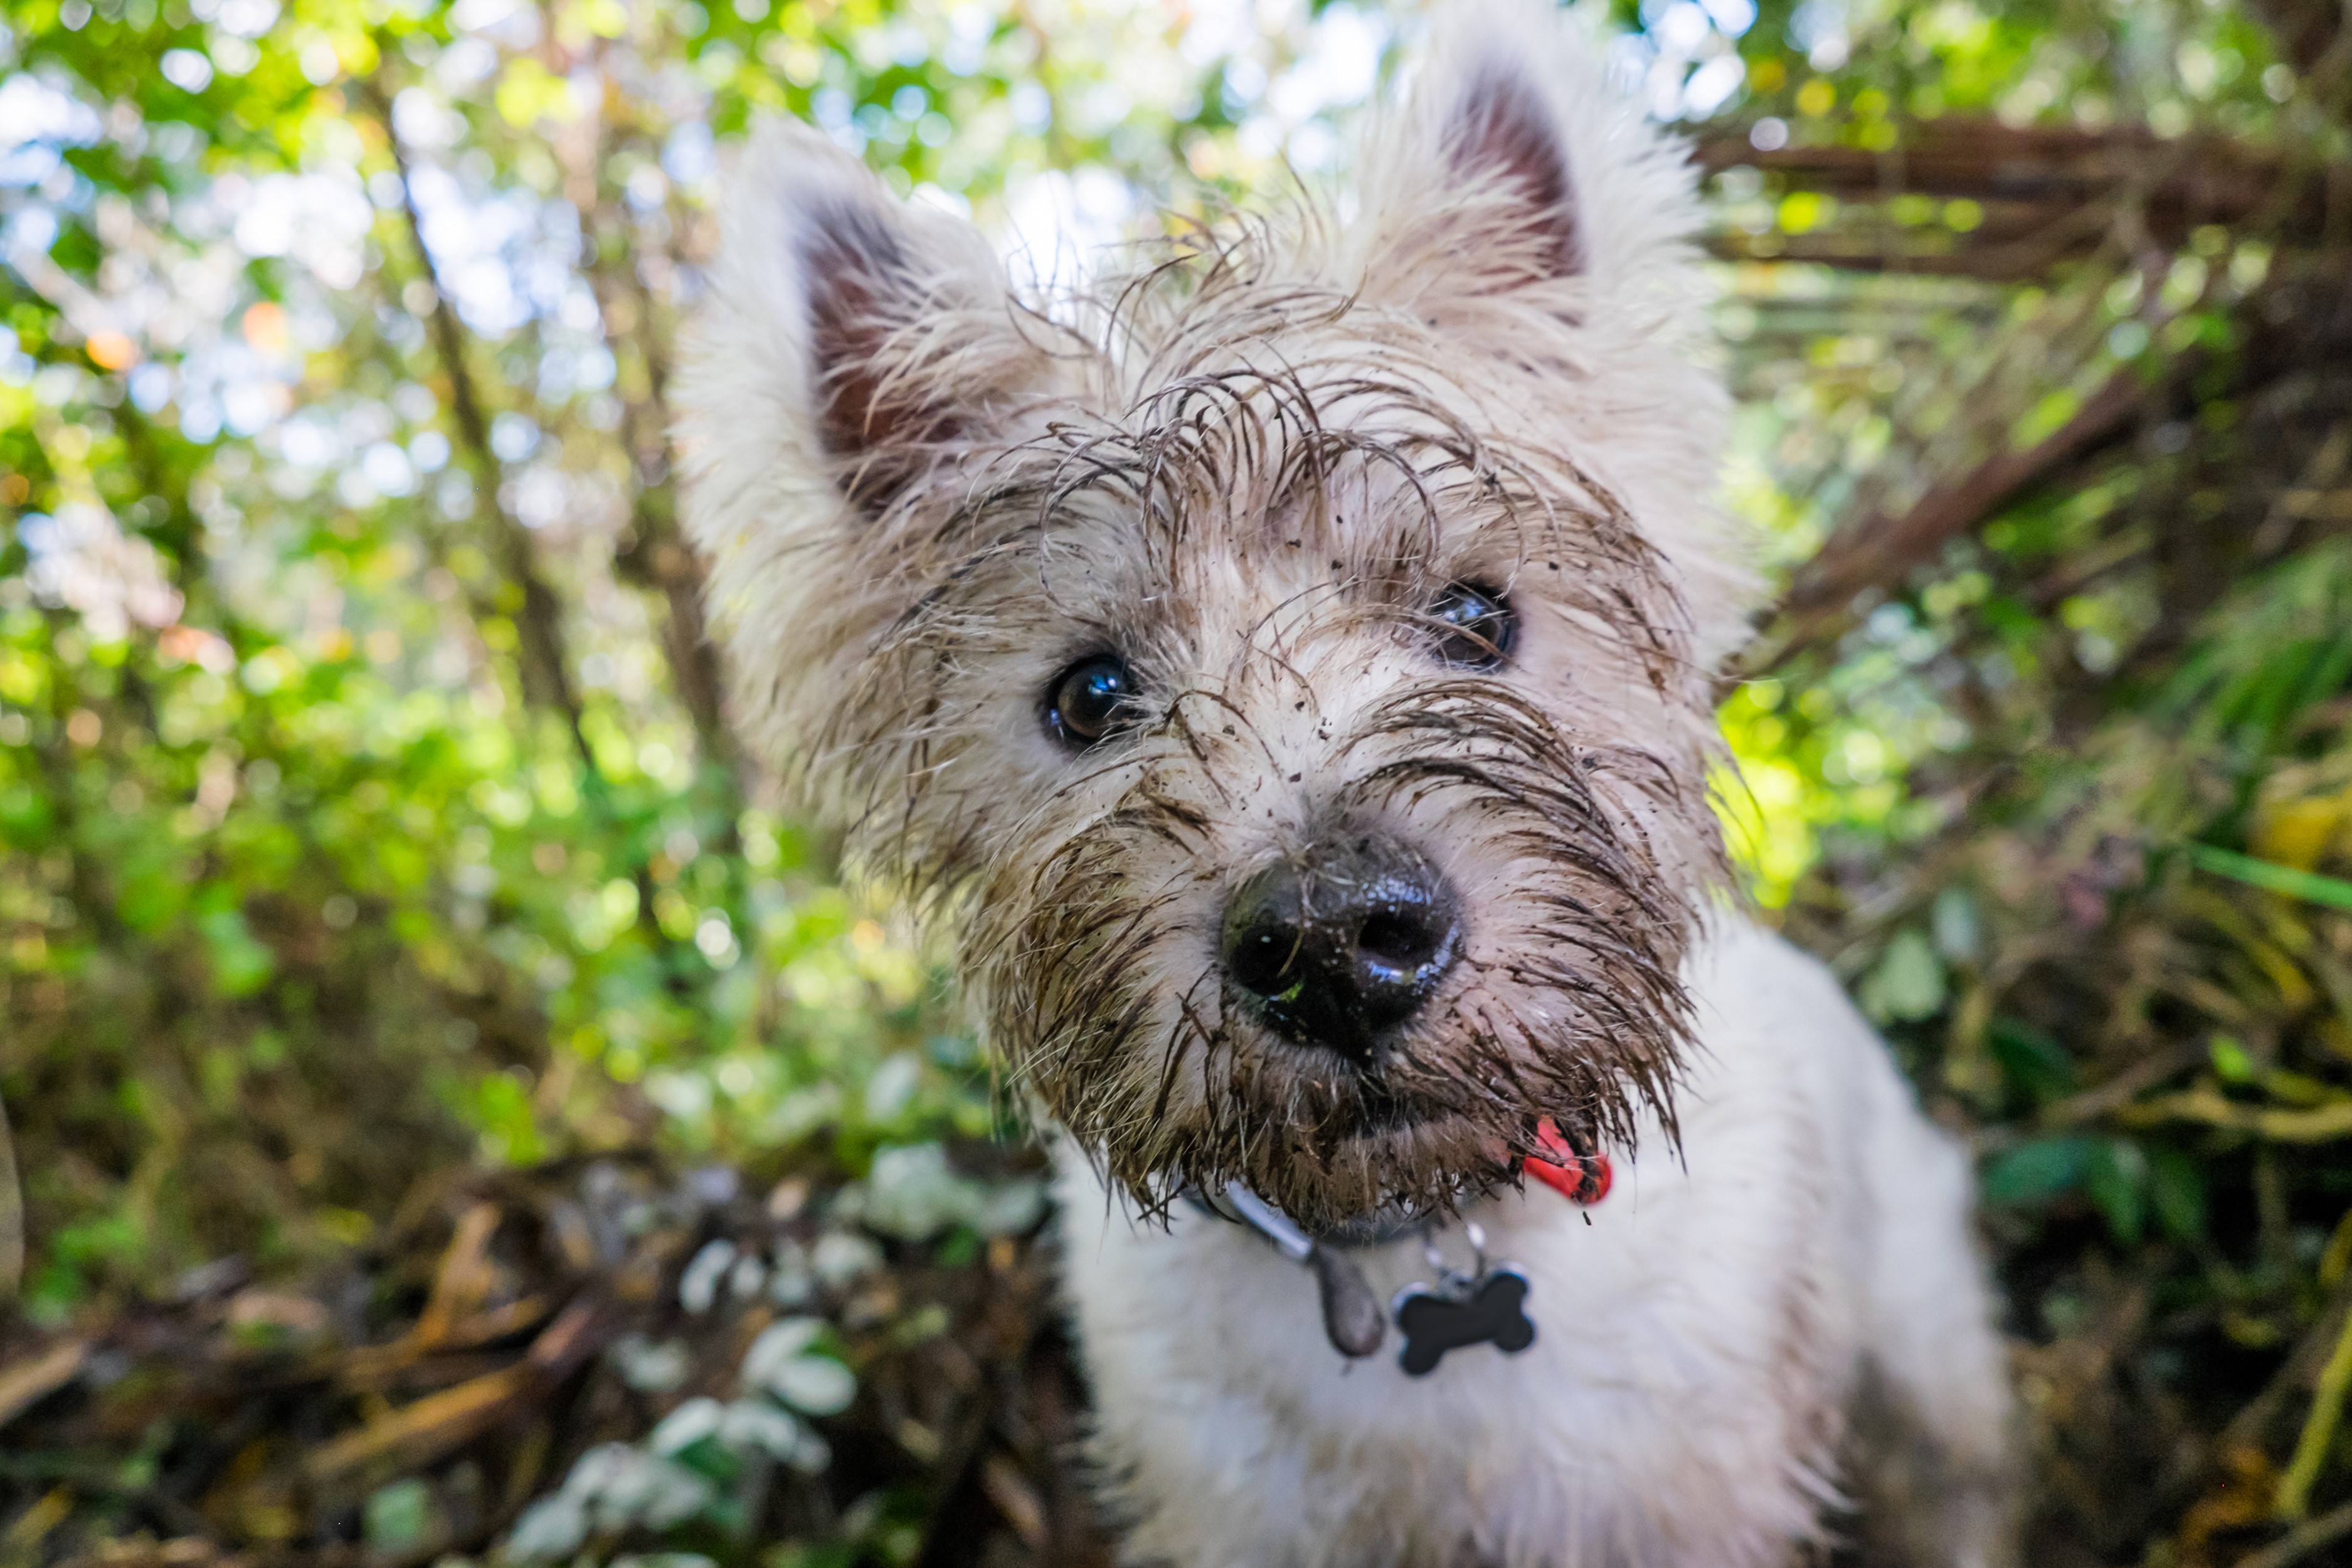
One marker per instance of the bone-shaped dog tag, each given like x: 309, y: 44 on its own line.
x: 1488, y: 1311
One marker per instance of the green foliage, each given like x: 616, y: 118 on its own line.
x: 320, y: 872
x: 367, y: 807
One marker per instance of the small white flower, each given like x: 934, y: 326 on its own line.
x: 1010, y: 1209
x: 551, y: 1527
x: 777, y: 1343
x: 777, y: 1363
x: 697, y: 1287
x: 652, y: 1366
x: 649, y: 1491
x: 792, y: 1284
x: 684, y: 1427
x: 818, y: 1385
x: 748, y: 1277
x: 840, y: 1259
x: 598, y: 1469
x: 677, y: 1495
x: 913, y: 1193
x: 813, y: 1455
x: 756, y: 1424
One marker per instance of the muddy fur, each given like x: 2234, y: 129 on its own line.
x: 1250, y: 462
x: 1248, y: 466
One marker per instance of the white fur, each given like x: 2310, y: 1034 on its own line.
x: 1706, y: 1341
x: 1696, y: 1342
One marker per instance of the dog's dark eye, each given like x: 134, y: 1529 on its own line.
x: 1090, y: 700
x: 1475, y: 627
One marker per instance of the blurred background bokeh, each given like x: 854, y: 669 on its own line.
x: 457, y: 1111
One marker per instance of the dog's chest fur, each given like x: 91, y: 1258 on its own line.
x: 1697, y: 1344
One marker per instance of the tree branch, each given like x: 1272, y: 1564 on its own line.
x: 655, y: 556
x: 539, y: 622
x: 2040, y: 187
x: 1879, y: 549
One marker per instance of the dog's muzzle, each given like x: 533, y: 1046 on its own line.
x: 1341, y: 945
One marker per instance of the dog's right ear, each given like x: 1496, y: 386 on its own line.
x: 852, y: 337
x: 1515, y: 170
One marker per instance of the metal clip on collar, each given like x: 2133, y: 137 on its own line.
x: 1352, y: 1318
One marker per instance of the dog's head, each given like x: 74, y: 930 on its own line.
x: 1288, y: 662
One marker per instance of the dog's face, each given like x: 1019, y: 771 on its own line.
x: 1290, y: 666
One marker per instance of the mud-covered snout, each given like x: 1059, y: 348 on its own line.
x: 1339, y: 945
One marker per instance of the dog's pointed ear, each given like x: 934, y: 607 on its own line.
x: 1500, y: 137
x: 852, y: 336
x: 1514, y: 163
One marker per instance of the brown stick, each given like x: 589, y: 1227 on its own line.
x: 417, y: 1434
x: 657, y: 557
x: 2302, y: 1541
x: 12, y: 1214
x: 26, y: 1384
x: 2028, y: 181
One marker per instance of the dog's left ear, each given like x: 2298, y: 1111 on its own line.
x: 852, y: 342
x: 852, y: 354
x: 1516, y: 164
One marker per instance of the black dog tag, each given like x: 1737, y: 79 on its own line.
x: 1487, y: 1312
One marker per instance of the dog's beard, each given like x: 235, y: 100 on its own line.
x: 1098, y: 974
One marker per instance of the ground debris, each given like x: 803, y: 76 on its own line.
x: 526, y: 1332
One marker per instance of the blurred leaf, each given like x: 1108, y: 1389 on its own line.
x: 241, y: 966
x: 2040, y: 1170
x: 1909, y: 983
x: 2333, y: 891
x: 2035, y: 1064
x: 2117, y: 1181
x: 2176, y: 1191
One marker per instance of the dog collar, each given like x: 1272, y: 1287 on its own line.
x: 1582, y: 1179
x: 1486, y: 1305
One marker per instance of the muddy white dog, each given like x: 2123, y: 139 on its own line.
x: 1285, y: 667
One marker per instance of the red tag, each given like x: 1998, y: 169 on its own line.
x: 1580, y: 1178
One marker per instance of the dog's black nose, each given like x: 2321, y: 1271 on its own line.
x: 1344, y: 943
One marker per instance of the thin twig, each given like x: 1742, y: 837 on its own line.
x: 657, y: 557
x: 12, y: 1214
x: 2318, y: 1430
x: 2302, y: 1541
x: 539, y: 621
x: 2124, y: 1088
